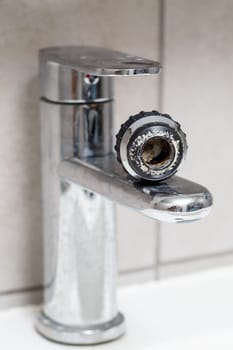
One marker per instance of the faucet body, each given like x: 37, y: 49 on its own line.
x: 81, y: 181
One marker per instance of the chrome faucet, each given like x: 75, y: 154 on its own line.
x: 81, y: 180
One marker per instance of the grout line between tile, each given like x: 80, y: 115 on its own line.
x: 157, y: 248
x: 21, y: 290
x: 161, y: 51
x: 160, y: 102
x: 139, y: 269
x: 196, y: 258
x: 125, y: 272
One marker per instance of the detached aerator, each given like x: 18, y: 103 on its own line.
x: 151, y: 146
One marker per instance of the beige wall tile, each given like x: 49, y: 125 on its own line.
x: 198, y: 85
x: 136, y: 240
x: 25, y: 27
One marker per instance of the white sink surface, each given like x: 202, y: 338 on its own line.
x: 190, y: 312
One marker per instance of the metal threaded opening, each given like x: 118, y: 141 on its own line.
x: 157, y: 152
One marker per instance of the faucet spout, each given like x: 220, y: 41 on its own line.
x: 173, y: 200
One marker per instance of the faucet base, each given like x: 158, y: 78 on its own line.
x: 95, y: 334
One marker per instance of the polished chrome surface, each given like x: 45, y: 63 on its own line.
x: 79, y: 238
x: 92, y: 129
x: 81, y: 266
x: 81, y: 130
x: 173, y: 200
x: 80, y: 276
x: 99, y: 61
x: 72, y: 86
x: 90, y: 335
x: 151, y: 146
x: 80, y: 183
x: 81, y: 73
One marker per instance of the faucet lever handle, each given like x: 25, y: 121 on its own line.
x: 99, y: 61
x: 83, y: 74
